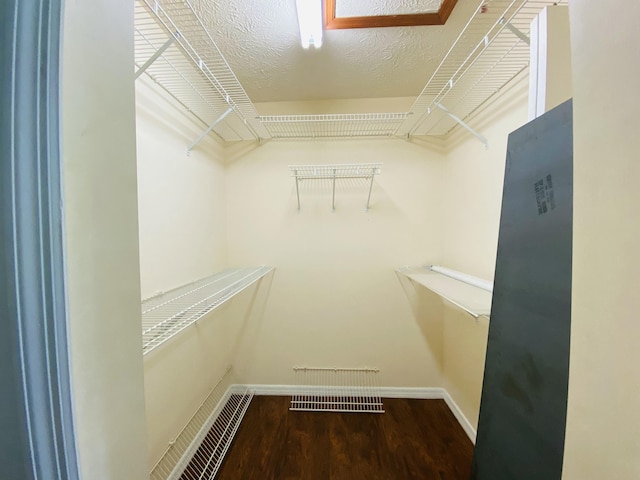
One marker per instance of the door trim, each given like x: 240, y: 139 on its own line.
x: 35, y: 376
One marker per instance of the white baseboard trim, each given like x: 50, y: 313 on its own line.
x: 462, y: 420
x: 276, y: 390
x: 412, y: 392
x: 385, y: 392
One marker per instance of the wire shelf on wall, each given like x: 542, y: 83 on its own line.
x: 191, y: 68
x: 491, y: 50
x: 344, y: 170
x: 333, y: 125
x: 337, y: 390
x: 351, y: 171
x: 199, y: 449
x: 469, y: 293
x: 167, y: 314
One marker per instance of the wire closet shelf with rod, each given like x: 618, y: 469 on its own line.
x: 177, y: 51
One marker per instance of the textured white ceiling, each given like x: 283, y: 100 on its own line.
x: 260, y: 41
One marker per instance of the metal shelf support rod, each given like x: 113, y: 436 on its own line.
x: 333, y: 204
x: 516, y: 31
x: 211, y: 127
x: 463, y: 277
x: 295, y: 172
x: 154, y: 57
x: 464, y: 125
x: 373, y: 172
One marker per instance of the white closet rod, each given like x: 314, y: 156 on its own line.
x: 463, y: 277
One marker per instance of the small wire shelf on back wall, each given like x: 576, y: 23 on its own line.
x: 332, y: 173
x: 322, y: 389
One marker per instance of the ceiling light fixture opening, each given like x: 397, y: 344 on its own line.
x: 310, y: 22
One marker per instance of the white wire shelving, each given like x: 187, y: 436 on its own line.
x: 335, y: 172
x: 489, y: 52
x: 167, y: 314
x: 333, y: 125
x: 173, y: 47
x: 471, y: 294
x: 322, y: 389
x: 199, y: 449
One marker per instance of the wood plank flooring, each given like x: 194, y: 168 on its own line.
x: 414, y: 439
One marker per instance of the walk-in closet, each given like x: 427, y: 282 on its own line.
x: 351, y: 252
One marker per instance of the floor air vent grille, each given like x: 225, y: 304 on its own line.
x: 337, y: 390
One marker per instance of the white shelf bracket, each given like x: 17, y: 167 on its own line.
x: 516, y: 31
x: 206, y: 132
x: 155, y: 56
x: 373, y: 172
x: 295, y: 173
x: 464, y: 125
x: 333, y: 204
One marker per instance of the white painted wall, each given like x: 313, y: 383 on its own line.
x: 473, y: 199
x: 603, y: 438
x: 103, y: 277
x: 182, y: 209
x: 181, y: 198
x: 464, y: 347
x: 335, y: 299
x: 473, y: 193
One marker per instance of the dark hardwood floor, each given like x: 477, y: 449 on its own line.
x: 414, y: 439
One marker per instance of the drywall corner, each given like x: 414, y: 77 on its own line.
x: 101, y: 236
